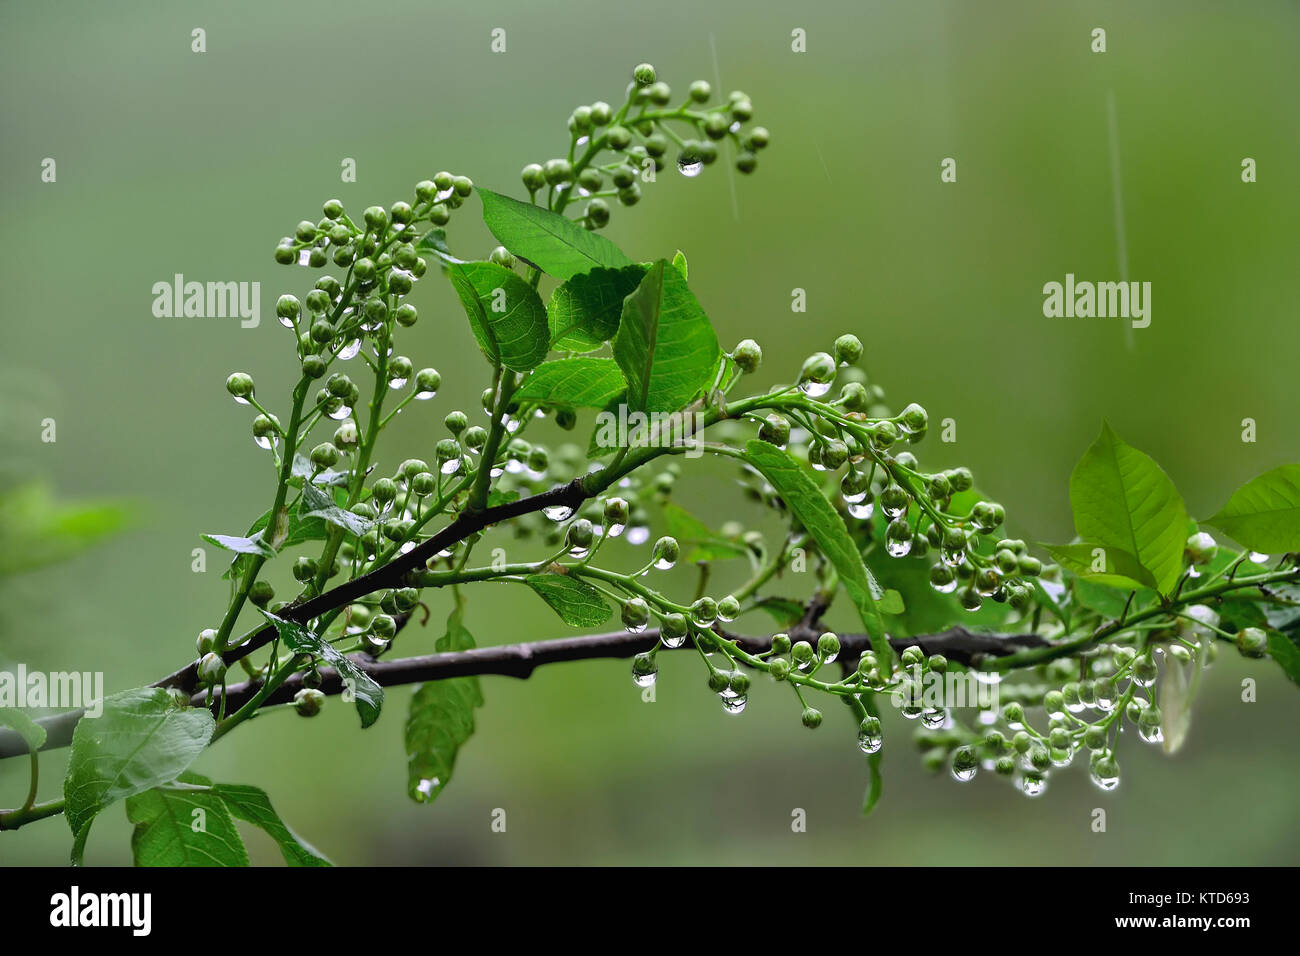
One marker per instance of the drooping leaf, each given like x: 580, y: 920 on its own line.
x: 574, y: 600
x: 142, y: 739
x: 665, y: 345
x: 577, y: 382
x: 824, y: 524
x: 184, y: 823
x: 585, y: 311
x: 441, y: 719
x: 33, y: 734
x: 505, y: 314
x: 1264, y: 514
x: 1112, y: 566
x: 1284, y: 650
x: 368, y: 695
x: 252, y: 805
x: 1123, y: 500
x: 552, y: 242
x: 316, y: 503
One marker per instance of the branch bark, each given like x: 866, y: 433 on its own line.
x: 520, y: 660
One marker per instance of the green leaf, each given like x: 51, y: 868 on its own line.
x: 704, y: 544
x: 1123, y: 500
x: 36, y: 530
x: 577, y: 602
x: 184, y: 824
x: 578, y: 382
x: 552, y: 242
x: 1283, y: 650
x: 369, y: 696
x: 917, y: 608
x: 316, y: 503
x: 786, y: 612
x: 679, y: 263
x: 665, y: 345
x: 505, y: 314
x: 1121, y: 569
x: 821, y: 520
x: 1105, y: 599
x: 441, y: 719
x: 240, y: 545
x: 141, y: 740
x: 1264, y: 514
x: 585, y: 311
x: 252, y: 805
x: 18, y: 721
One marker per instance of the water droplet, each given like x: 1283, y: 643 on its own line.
x: 814, y: 389
x: 689, y: 166
x: 349, y: 351
x: 304, y: 258
x: 862, y: 511
x: 673, y: 642
x: 645, y: 680
x: 1152, y: 734
x: 734, y: 705
x: 631, y: 628
x: 615, y: 530
x: 934, y: 717
x: 582, y: 553
x: 450, y: 466
x: 396, y: 382
x: 426, y: 789
x: 558, y: 512
x: 1260, y: 558
x: 945, y: 587
x: 910, y: 711
x: 340, y: 413
x: 1033, y: 785
x: 953, y: 556
x: 424, y: 396
x: 265, y: 442
x: 1105, y: 782
x: 963, y: 774
x: 869, y: 743
x: 663, y: 564
x: 898, y: 549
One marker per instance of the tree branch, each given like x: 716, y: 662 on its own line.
x: 520, y: 660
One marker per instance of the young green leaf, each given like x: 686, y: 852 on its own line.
x: 17, y: 720
x: 1123, y: 500
x: 316, y: 503
x: 820, y: 520
x: 184, y: 824
x: 585, y: 311
x: 1264, y: 513
x: 665, y: 345
x: 552, y: 242
x: 252, y: 805
x: 505, y: 314
x: 302, y: 640
x: 239, y: 545
x: 1112, y: 566
x: 575, y: 601
x: 441, y: 719
x: 141, y: 740
x: 679, y: 262
x: 577, y: 382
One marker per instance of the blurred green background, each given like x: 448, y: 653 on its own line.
x: 170, y: 161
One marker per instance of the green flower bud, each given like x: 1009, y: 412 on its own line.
x: 211, y: 669
x: 848, y: 349
x: 818, y: 369
x: 672, y: 628
x: 475, y: 437
x: 324, y: 455
x: 779, y: 668
x: 558, y: 171
x: 828, y: 646
x: 747, y: 355
x: 802, y: 653
x: 1013, y: 713
x: 240, y: 385
x: 1252, y: 642
x: 704, y: 611
x: 775, y: 430
x: 812, y: 718
x: 666, y: 553
x: 615, y: 513
x: 384, y: 490
x: 261, y: 593
x: 746, y: 163
x: 207, y: 641
x: 781, y: 644
x: 1021, y: 742
x: 1094, y: 738
x: 427, y: 380
x: 644, y: 74
x: 938, y: 663
x: 376, y: 218
x: 960, y: 479
x: 308, y: 702
x: 424, y: 484
x: 636, y: 614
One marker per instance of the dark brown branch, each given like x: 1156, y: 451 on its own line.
x: 520, y: 660
x: 392, y: 574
